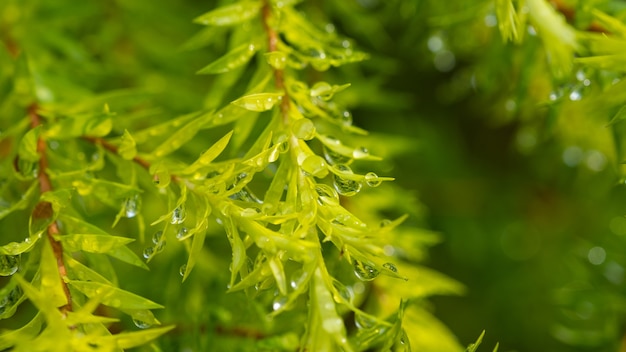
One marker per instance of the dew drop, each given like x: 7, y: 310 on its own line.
x: 346, y: 118
x: 182, y: 270
x: 160, y: 246
x: 250, y: 212
x: 141, y: 324
x: 131, y: 206
x: 315, y: 165
x: 365, y: 271
x: 363, y: 321
x: 178, y: 215
x: 303, y: 129
x: 390, y: 267
x: 326, y: 195
x: 335, y: 158
x: 182, y: 232
x: 372, y: 180
x: 148, y: 252
x: 9, y: 264
x: 344, y: 291
x: 279, y: 302
x: 322, y: 90
x: 344, y: 186
x: 360, y: 153
x: 298, y: 278
x: 157, y: 237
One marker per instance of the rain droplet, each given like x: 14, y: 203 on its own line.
x: 160, y: 246
x: 148, y: 252
x: 346, y: 118
x: 363, y: 321
x: 141, y: 324
x: 333, y: 140
x: 372, y: 180
x: 360, y: 153
x: 279, y: 302
x: 345, y: 187
x: 298, y: 277
x: 315, y: 165
x: 182, y: 270
x: 157, y: 237
x: 390, y: 267
x: 9, y: 264
x: 344, y: 291
x: 303, y: 129
x: 250, y: 212
x: 322, y: 90
x: 335, y: 158
x: 182, y: 232
x: 385, y: 223
x: 326, y: 195
x: 178, y: 215
x: 365, y: 271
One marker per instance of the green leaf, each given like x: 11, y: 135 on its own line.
x: 10, y: 338
x: 93, y: 243
x: 194, y: 253
x: 126, y: 255
x: 209, y: 155
x: 474, y: 346
x: 15, y: 248
x: 94, y: 125
x: 127, y: 148
x: 81, y: 272
x: 113, y: 296
x: 238, y: 249
x: 259, y: 101
x: 183, y: 135
x: 51, y: 280
x: 323, y: 302
x: 27, y: 150
x: 232, y: 60
x: 133, y: 339
x: 230, y: 14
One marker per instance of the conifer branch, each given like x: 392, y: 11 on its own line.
x: 272, y: 45
x: 44, y: 209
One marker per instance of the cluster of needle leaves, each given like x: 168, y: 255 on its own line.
x: 271, y: 165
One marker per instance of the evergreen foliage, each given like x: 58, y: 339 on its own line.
x: 122, y: 176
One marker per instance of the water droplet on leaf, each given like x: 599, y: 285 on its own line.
x: 372, y: 180
x: 182, y: 270
x: 303, y: 129
x: 141, y: 324
x: 335, y: 158
x: 390, y: 267
x: 279, y: 302
x: 178, y: 215
x: 157, y: 237
x: 344, y: 186
x: 365, y: 271
x: 360, y: 153
x: 182, y: 232
x: 326, y: 195
x: 131, y: 206
x: 148, y: 252
x: 363, y: 321
x: 9, y: 264
x: 315, y: 165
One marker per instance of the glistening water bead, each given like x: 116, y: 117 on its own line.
x: 372, y: 180
x: 365, y: 271
x: 178, y: 215
x: 345, y: 186
x: 131, y: 206
x: 9, y: 264
x: 303, y: 129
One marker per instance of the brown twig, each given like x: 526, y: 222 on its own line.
x: 44, y: 209
x: 114, y: 149
x: 272, y: 45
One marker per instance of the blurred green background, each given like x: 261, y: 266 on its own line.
x: 526, y: 195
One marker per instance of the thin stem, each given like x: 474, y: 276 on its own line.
x: 46, y: 186
x: 272, y: 45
